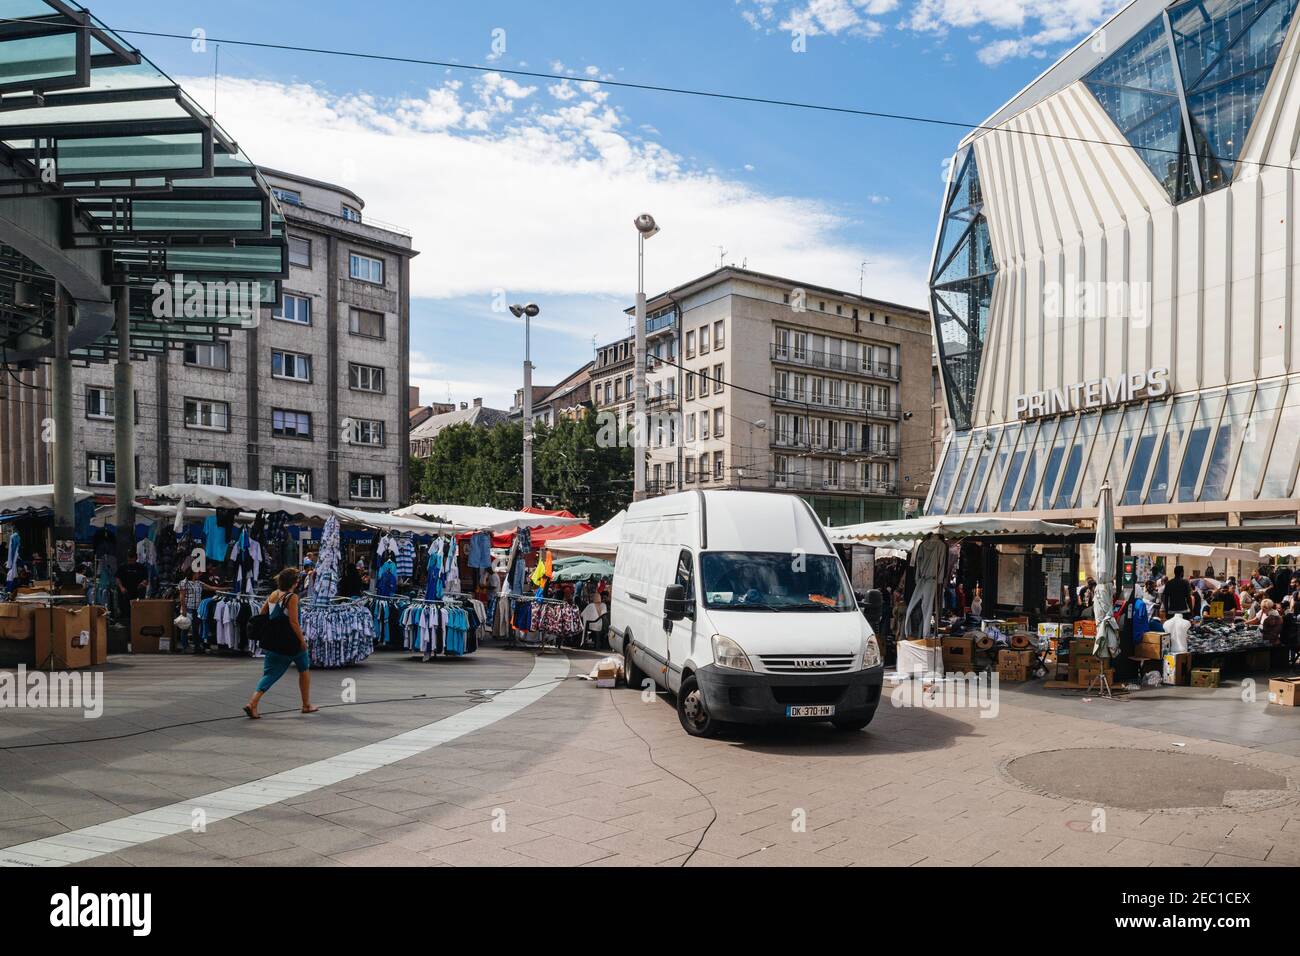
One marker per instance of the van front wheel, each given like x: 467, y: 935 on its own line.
x: 631, y: 673
x: 691, y: 711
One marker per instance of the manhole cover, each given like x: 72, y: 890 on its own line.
x: 1148, y: 779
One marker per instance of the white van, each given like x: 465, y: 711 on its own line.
x: 736, y: 602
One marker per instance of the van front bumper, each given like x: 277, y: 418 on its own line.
x: 747, y: 697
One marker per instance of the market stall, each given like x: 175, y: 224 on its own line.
x: 599, y: 542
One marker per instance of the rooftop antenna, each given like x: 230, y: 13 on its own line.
x: 862, y: 275
x: 721, y: 255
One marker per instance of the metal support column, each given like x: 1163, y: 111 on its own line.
x: 65, y: 518
x: 124, y: 427
x: 528, y: 411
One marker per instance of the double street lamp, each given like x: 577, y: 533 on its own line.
x: 527, y: 313
x: 646, y: 228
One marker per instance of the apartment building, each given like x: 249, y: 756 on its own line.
x: 771, y: 384
x: 314, y: 400
x: 611, y: 378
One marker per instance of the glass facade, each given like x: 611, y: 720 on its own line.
x: 1227, y: 446
x: 961, y: 288
x: 1184, y: 90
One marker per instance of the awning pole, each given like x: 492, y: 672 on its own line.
x: 124, y: 428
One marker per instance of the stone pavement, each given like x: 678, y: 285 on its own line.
x: 586, y: 776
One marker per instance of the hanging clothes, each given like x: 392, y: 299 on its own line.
x: 405, y: 558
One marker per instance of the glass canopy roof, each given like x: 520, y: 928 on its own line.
x: 140, y: 173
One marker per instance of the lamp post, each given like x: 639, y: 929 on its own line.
x: 645, y: 229
x: 527, y: 313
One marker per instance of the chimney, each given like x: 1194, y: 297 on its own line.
x: 478, y: 403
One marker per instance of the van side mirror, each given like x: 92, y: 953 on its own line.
x: 675, y: 603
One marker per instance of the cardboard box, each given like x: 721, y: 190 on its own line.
x: 1205, y: 677
x: 1056, y: 631
x: 152, y: 626
x: 1086, y: 628
x: 1177, y: 669
x: 1284, y: 691
x: 1080, y: 647
x: 1012, y: 673
x: 98, y: 634
x: 17, y: 622
x: 1151, y: 646
x: 958, y: 653
x: 63, y: 637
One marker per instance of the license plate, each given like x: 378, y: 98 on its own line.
x: 815, y: 710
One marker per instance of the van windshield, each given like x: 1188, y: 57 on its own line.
x: 747, y: 580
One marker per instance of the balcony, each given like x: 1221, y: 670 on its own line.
x: 659, y: 324
x: 861, y: 406
x: 858, y: 449
x: 659, y: 402
x: 791, y: 481
x: 790, y: 355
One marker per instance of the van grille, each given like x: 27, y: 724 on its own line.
x: 809, y: 694
x: 810, y: 664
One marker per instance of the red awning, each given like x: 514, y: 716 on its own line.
x: 545, y: 534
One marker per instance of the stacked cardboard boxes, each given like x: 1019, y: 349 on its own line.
x: 958, y: 654
x: 1177, y: 669
x: 65, y: 635
x: 1151, y: 646
x: 1014, y: 665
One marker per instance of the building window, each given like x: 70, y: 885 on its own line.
x: 291, y: 365
x: 690, y: 384
x: 717, y: 466
x: 365, y: 378
x: 704, y: 340
x: 351, y: 214
x: 719, y: 335
x: 719, y: 419
x: 369, y: 324
x: 704, y: 467
x: 99, y: 403
x: 216, y: 355
x: 366, y: 269
x: 290, y: 424
x: 367, y: 431
x: 704, y: 384
x: 690, y: 344
x: 717, y: 380
x: 207, y: 472
x: 291, y: 481
x: 299, y: 252
x: 100, y: 470
x: 366, y: 487
x: 294, y: 308
x: 690, y: 428
x: 291, y: 196
x: 689, y: 470
x: 658, y: 476
x: 207, y: 415
x: 670, y: 474
x: 704, y: 425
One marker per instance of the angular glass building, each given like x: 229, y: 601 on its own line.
x: 1113, y: 284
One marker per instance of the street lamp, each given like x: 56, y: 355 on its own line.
x: 646, y: 228
x: 527, y: 313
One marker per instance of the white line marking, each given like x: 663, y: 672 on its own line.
x: 77, y: 846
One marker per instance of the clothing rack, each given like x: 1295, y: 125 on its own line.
x: 432, y: 640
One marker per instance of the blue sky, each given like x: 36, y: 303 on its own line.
x: 522, y: 189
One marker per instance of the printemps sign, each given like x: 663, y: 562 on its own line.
x: 1092, y: 394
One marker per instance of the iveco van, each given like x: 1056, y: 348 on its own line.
x: 736, y: 602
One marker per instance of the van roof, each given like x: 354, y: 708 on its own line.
x: 744, y: 520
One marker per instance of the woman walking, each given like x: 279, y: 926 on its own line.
x: 283, y: 603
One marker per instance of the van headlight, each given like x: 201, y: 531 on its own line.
x: 870, y: 651
x: 727, y: 653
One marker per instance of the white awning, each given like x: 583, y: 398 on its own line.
x: 472, y: 518
x: 243, y: 499
x: 1289, y: 552
x: 391, y: 522
x: 1208, y: 551
x: 15, y: 498
x: 602, y: 541
x: 960, y: 526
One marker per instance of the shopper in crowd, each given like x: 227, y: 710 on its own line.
x: 1177, y: 598
x: 132, y: 584
x: 188, y: 595
x: 351, y: 584
x: 594, y: 623
x: 40, y: 568
x: 284, y: 602
x: 309, y: 575
x: 1270, y: 622
x: 977, y: 603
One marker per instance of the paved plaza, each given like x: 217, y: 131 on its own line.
x: 505, y: 758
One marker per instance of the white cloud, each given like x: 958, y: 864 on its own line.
x: 1041, y: 27
x: 502, y: 189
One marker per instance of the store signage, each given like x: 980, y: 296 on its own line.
x: 1095, y: 393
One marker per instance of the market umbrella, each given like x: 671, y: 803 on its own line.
x: 581, y: 567
x: 1103, y: 560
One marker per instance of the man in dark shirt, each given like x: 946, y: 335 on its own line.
x: 132, y: 580
x: 1177, y: 598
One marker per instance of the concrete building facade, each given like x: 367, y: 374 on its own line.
x: 763, y: 383
x: 313, y: 400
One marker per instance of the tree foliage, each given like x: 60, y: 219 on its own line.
x: 484, y: 466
